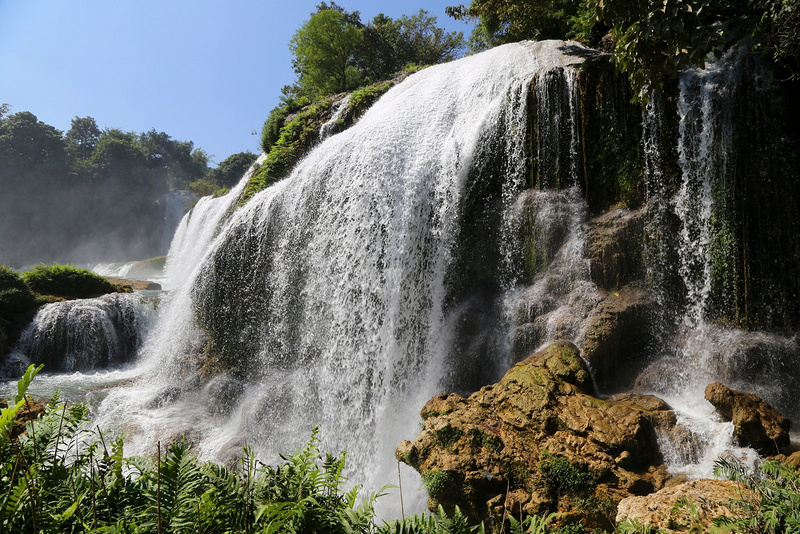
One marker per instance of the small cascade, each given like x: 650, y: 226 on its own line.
x: 332, y: 124
x: 556, y: 128
x: 197, y: 230
x: 562, y: 294
x: 703, y: 349
x: 116, y: 269
x: 87, y: 334
x: 175, y: 203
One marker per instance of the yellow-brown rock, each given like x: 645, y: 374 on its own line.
x: 686, y: 507
x: 538, y: 441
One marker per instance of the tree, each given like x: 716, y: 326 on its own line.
x: 506, y: 21
x: 81, y: 138
x: 231, y: 169
x: 390, y: 45
x: 324, y: 53
x: 653, y: 39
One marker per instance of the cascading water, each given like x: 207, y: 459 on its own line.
x: 329, y: 128
x: 86, y: 334
x: 702, y: 351
x: 334, y: 297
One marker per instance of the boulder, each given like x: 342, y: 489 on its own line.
x: 618, y: 333
x: 616, y: 242
x: 539, y: 441
x: 756, y: 424
x: 686, y: 507
x: 130, y: 285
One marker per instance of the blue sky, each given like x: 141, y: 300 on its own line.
x: 207, y: 71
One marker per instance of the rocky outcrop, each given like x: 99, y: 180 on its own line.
x: 756, y: 424
x: 686, y: 507
x: 617, y: 336
x: 616, y: 242
x: 538, y: 441
x: 130, y: 285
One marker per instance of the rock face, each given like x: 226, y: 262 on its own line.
x: 686, y: 507
x: 538, y: 441
x: 618, y: 336
x: 130, y: 285
x: 615, y: 247
x: 756, y: 424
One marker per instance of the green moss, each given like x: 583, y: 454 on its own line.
x: 481, y: 440
x: 67, y: 281
x: 15, y: 295
x: 295, y: 139
x: 361, y: 99
x: 443, y: 484
x: 562, y: 477
x: 447, y: 436
x: 611, y: 138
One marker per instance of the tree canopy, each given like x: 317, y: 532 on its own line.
x: 651, y: 40
x: 335, y: 52
x: 324, y: 50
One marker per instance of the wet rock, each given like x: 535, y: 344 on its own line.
x: 618, y: 333
x: 130, y: 285
x: 686, y: 507
x: 615, y: 247
x: 538, y: 441
x: 756, y: 424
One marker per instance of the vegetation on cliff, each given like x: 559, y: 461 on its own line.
x: 651, y: 41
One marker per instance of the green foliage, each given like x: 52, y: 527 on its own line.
x: 772, y: 504
x: 532, y: 524
x: 67, y: 281
x: 634, y: 526
x: 391, y: 45
x: 296, y: 137
x: 562, y: 477
x: 361, y: 99
x: 15, y: 295
x: 324, y: 49
x: 439, y: 523
x: 503, y: 21
x: 231, y: 169
x: 653, y: 40
x: 439, y: 483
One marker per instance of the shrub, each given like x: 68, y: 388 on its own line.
x: 562, y: 477
x: 67, y: 281
x: 15, y: 295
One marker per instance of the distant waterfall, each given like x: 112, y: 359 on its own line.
x: 87, y: 334
x: 338, y: 296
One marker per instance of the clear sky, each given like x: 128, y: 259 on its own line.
x: 206, y: 71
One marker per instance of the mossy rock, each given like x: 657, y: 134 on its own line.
x: 15, y: 295
x: 67, y: 281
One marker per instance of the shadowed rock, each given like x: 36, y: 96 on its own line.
x: 756, y: 424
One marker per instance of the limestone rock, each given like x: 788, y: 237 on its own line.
x: 617, y: 337
x: 756, y: 423
x: 615, y: 247
x: 130, y: 285
x: 538, y: 441
x: 686, y: 507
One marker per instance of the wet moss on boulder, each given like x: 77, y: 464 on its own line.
x: 538, y: 441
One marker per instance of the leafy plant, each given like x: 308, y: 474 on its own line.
x: 769, y: 499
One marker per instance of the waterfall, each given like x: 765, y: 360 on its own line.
x: 87, y: 334
x: 331, y: 124
x: 338, y: 295
x: 702, y: 348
